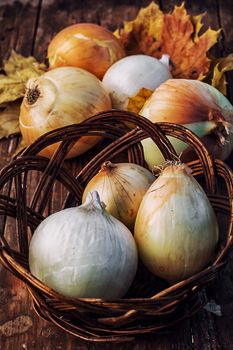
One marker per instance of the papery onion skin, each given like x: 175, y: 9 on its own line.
x: 121, y: 187
x: 66, y: 96
x: 187, y: 102
x: 84, y: 252
x: 85, y: 45
x: 176, y: 230
x: 180, y: 101
x: 127, y: 76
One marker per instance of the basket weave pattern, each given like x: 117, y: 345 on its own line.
x: 148, y: 306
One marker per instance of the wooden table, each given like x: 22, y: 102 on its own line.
x: 28, y: 26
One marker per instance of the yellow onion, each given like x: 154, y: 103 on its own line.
x: 121, y: 187
x: 85, y: 45
x: 60, y: 97
x: 196, y: 105
x: 176, y: 230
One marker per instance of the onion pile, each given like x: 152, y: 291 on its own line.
x: 92, y: 251
x: 86, y: 252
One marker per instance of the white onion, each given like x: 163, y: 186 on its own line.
x: 84, y: 252
x: 127, y: 76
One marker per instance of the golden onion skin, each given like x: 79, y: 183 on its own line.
x: 85, y: 45
x: 199, y: 107
x: 61, y: 97
x: 181, y: 101
x: 176, y: 229
x: 121, y: 187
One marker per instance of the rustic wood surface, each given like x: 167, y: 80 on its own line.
x: 28, y: 26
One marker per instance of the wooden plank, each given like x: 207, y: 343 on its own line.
x: 18, y: 22
x: 225, y: 19
x: 17, y: 25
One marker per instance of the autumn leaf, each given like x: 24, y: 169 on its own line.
x: 10, y: 89
x: 9, y: 120
x: 136, y: 102
x: 177, y: 34
x: 18, y: 70
x: 143, y: 34
x: 223, y: 65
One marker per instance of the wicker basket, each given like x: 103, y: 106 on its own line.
x: 150, y: 305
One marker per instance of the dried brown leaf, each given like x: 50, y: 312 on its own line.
x: 136, y: 102
x: 176, y: 34
x: 9, y: 120
x: 223, y: 65
x: 18, y: 70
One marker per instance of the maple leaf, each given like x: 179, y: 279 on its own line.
x: 9, y: 120
x: 177, y: 34
x: 136, y: 102
x: 222, y: 65
x: 18, y: 70
x: 142, y: 34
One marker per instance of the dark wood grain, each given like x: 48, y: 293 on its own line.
x: 18, y: 25
x: 20, y: 328
x: 28, y: 26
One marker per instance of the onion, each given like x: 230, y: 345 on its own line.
x: 125, y: 78
x: 196, y: 105
x: 84, y: 252
x: 60, y: 97
x: 121, y: 187
x: 85, y: 45
x: 176, y: 229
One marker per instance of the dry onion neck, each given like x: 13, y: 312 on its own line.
x: 222, y: 131
x: 107, y: 166
x: 172, y: 165
x: 93, y: 202
x: 32, y: 95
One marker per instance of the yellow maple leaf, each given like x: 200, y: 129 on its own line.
x: 176, y: 34
x: 142, y: 34
x: 223, y: 64
x: 18, y: 69
x: 136, y: 102
x: 9, y: 120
